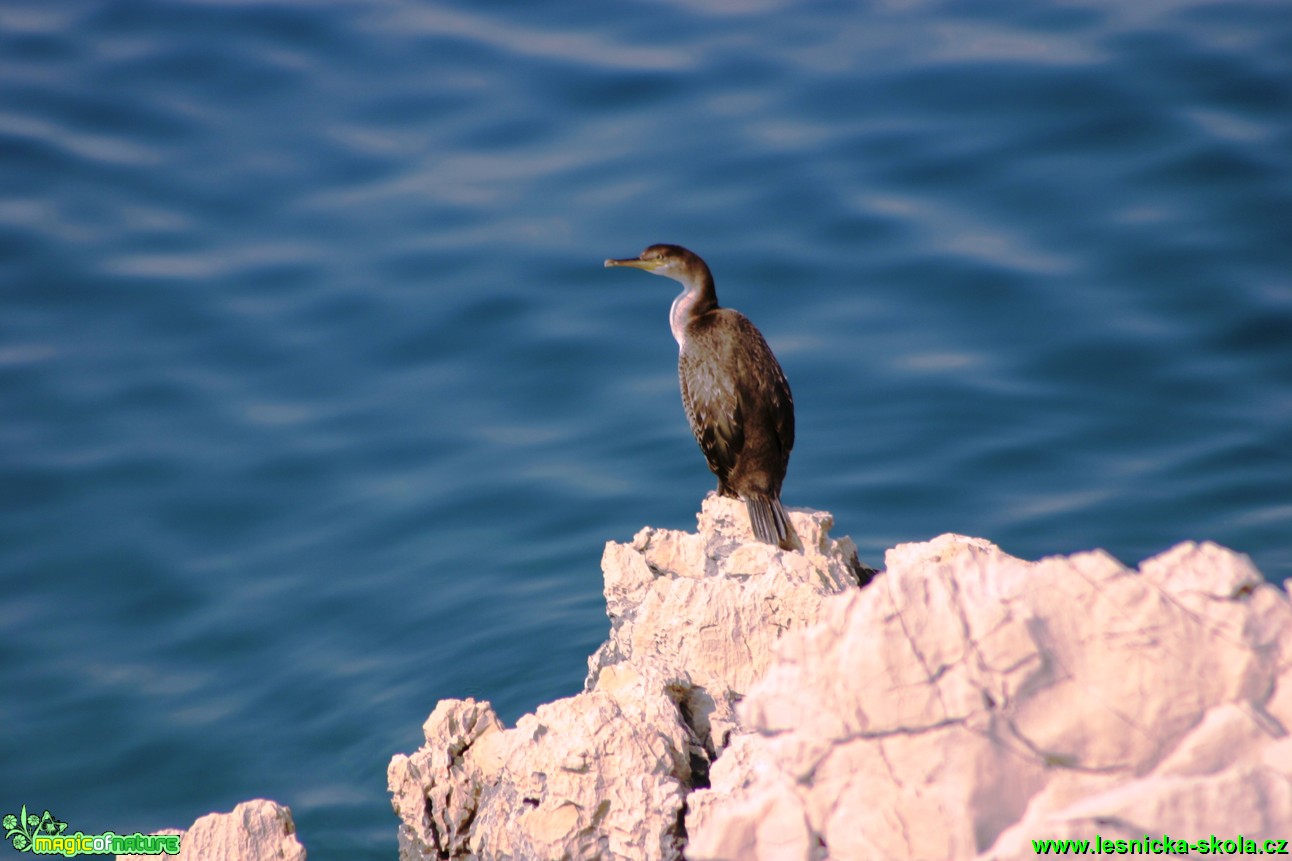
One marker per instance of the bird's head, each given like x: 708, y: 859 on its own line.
x: 671, y: 261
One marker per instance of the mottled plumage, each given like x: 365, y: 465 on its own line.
x: 735, y: 394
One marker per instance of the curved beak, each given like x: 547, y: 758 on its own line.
x: 634, y: 262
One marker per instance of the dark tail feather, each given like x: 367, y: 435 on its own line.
x: 767, y: 517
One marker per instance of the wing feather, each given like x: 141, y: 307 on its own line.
x: 729, y: 377
x: 713, y: 409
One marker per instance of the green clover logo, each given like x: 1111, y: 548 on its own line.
x: 20, y: 828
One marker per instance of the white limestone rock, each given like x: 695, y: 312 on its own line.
x: 969, y: 702
x: 962, y: 705
x: 605, y: 774
x: 256, y: 830
x: 703, y: 611
x: 434, y: 792
x: 593, y: 776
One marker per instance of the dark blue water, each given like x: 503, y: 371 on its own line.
x: 316, y: 405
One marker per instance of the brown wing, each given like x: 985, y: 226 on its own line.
x: 767, y: 398
x: 778, y: 395
x: 712, y: 406
x: 729, y: 377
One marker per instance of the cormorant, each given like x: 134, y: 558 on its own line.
x: 734, y: 391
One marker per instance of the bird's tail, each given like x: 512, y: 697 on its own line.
x: 767, y: 517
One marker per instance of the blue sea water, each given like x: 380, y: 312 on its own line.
x: 316, y: 405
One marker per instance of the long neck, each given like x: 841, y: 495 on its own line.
x: 697, y: 297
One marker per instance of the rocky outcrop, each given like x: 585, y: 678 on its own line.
x: 606, y: 773
x: 970, y: 703
x: 254, y: 831
x: 702, y: 612
x: 752, y: 703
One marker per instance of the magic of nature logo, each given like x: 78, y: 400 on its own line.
x: 45, y: 835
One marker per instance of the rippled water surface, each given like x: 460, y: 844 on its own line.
x: 318, y: 405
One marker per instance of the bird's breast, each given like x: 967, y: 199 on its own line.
x: 679, y: 315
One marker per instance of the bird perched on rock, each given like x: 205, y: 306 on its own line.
x: 734, y: 391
